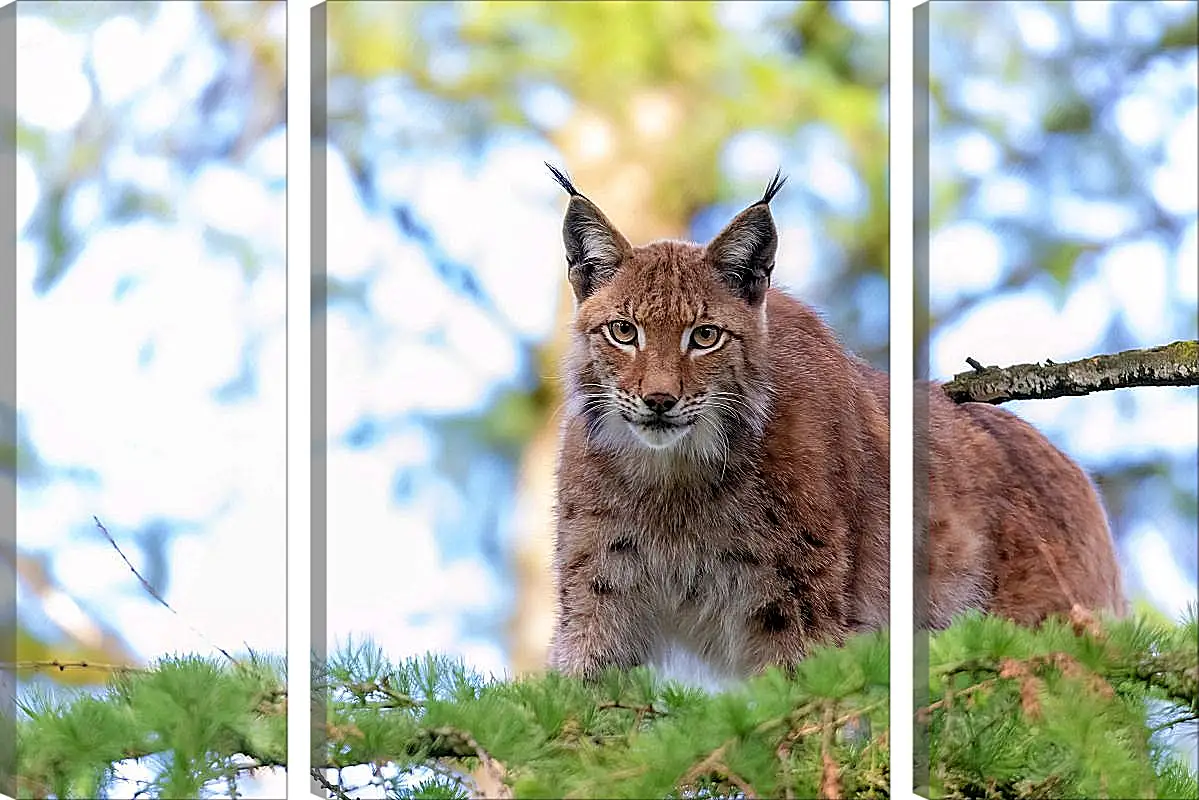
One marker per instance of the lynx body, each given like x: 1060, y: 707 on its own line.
x: 723, y: 475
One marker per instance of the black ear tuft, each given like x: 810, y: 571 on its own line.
x: 743, y: 253
x: 594, y: 248
x: 563, y: 179
x: 776, y: 183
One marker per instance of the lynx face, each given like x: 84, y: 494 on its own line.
x: 667, y: 335
x: 663, y: 355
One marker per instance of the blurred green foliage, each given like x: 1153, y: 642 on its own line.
x: 469, y: 64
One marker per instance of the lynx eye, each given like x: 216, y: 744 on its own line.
x: 622, y: 331
x: 705, y: 336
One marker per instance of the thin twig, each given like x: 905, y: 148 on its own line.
x: 736, y: 780
x: 641, y: 712
x: 399, y: 699
x: 830, y: 771
x: 820, y: 727
x: 494, y: 772
x: 924, y: 711
x: 714, y: 761
x: 155, y: 594
x: 318, y: 775
x: 62, y: 666
x: 1173, y: 723
x: 705, y: 764
x: 1022, y: 671
x: 783, y: 752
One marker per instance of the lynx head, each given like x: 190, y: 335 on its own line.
x: 668, y: 353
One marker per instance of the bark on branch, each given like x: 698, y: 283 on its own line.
x: 1174, y: 364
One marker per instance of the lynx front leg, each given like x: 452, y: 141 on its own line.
x: 599, y: 625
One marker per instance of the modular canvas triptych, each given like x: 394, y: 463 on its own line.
x: 496, y: 399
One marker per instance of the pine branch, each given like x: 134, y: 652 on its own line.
x: 1174, y: 364
x: 1009, y: 707
x: 213, y: 721
x: 1060, y: 711
x: 1014, y: 713
x: 555, y: 736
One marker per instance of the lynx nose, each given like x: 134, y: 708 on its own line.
x: 660, y: 402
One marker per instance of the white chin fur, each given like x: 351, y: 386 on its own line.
x: 660, y: 452
x: 659, y: 438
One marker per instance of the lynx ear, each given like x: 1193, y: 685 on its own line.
x: 743, y: 253
x: 594, y: 248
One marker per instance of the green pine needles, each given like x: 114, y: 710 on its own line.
x: 1075, y: 708
x: 196, y: 723
x: 625, y: 736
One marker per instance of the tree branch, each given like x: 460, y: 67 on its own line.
x: 1174, y: 364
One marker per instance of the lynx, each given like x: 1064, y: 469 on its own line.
x: 722, y: 500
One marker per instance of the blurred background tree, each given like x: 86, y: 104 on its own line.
x: 448, y: 303
x: 150, y: 280
x: 1064, y: 199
